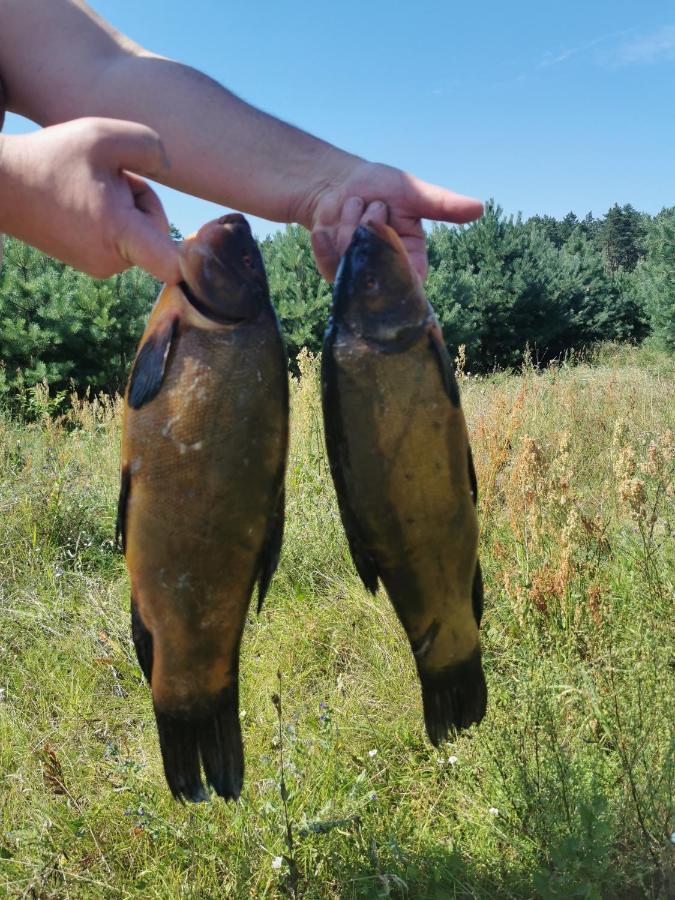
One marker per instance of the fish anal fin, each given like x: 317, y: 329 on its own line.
x: 122, y: 502
x: 149, y: 366
x: 269, y: 557
x: 364, y: 563
x: 437, y: 344
x: 142, y: 639
x: 473, y: 481
x: 477, y: 594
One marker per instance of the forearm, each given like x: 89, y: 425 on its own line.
x: 220, y: 148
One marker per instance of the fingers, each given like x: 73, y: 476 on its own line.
x: 325, y: 253
x: 147, y: 201
x: 144, y: 238
x: 333, y: 234
x: 350, y: 217
x: 129, y: 145
x: 376, y: 212
x: 429, y: 201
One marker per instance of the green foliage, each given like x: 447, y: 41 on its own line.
x: 655, y: 278
x: 621, y: 237
x: 499, y: 286
x: 60, y: 326
x: 301, y: 296
x: 563, y: 791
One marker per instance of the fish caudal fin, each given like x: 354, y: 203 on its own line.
x: 454, y: 698
x: 208, y: 738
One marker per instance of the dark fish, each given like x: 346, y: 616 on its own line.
x: 401, y: 463
x: 201, y: 506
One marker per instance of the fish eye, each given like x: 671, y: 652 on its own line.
x: 246, y: 259
x: 372, y: 284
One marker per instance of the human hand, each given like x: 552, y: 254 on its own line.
x: 69, y: 191
x: 370, y: 191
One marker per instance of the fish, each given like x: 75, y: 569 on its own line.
x: 401, y: 463
x: 201, y: 505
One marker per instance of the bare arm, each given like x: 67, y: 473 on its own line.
x: 219, y: 147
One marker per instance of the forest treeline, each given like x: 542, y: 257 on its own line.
x: 498, y: 286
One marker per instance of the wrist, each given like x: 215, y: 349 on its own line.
x: 328, y: 169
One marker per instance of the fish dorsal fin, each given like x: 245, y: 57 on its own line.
x: 149, y: 366
x: 445, y: 364
x: 269, y: 556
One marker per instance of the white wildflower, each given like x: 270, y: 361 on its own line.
x: 452, y: 760
x: 276, y: 862
x: 372, y: 753
x: 493, y: 811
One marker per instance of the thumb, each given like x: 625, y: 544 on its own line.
x: 429, y: 201
x: 143, y: 245
x: 144, y: 238
x: 130, y: 145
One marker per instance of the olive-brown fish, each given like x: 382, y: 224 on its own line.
x: 401, y: 463
x: 201, y: 506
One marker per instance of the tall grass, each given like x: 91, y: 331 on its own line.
x: 565, y: 789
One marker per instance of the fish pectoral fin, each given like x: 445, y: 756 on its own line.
x: 437, y: 344
x: 149, y: 366
x: 269, y: 556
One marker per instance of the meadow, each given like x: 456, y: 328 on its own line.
x: 566, y: 788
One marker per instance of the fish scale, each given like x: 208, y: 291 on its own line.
x: 401, y: 463
x: 201, y: 505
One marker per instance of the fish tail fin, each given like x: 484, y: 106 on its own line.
x: 453, y: 698
x: 206, y: 737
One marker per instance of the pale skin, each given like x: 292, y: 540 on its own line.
x: 114, y: 113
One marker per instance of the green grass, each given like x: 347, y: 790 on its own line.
x: 575, y: 467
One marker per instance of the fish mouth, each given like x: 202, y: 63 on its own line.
x: 223, y: 272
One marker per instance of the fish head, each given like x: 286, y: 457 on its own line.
x: 223, y: 272
x: 377, y: 293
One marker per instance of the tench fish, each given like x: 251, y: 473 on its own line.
x: 401, y: 463
x: 201, y: 506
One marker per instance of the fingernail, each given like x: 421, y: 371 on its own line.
x: 354, y: 205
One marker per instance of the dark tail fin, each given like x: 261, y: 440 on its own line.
x: 208, y: 738
x: 454, y: 698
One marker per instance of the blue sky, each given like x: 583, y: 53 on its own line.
x: 547, y: 107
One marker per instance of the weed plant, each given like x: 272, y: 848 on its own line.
x: 564, y: 790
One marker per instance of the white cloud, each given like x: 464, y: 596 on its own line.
x: 553, y: 59
x: 658, y: 46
